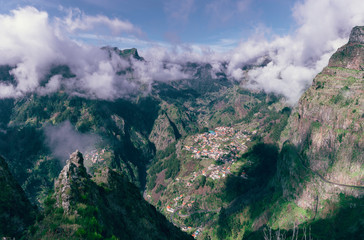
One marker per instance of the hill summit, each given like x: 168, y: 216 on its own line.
x: 106, y: 206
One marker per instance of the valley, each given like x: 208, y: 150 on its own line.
x: 202, y: 157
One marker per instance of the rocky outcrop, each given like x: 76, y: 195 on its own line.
x: 172, y: 123
x: 102, y: 207
x: 357, y: 35
x: 16, y: 212
x: 351, y: 56
x: 327, y: 129
x: 73, y: 182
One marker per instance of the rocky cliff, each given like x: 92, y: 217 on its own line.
x: 106, y: 206
x: 326, y: 131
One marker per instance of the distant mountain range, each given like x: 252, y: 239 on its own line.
x: 217, y: 160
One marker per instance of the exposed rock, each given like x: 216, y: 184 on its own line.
x: 72, y: 182
x: 351, y: 55
x: 77, y: 159
x: 327, y: 129
x: 107, y: 205
x: 357, y: 35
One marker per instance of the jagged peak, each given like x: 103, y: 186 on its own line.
x: 351, y: 55
x: 357, y: 35
x: 125, y: 53
x: 71, y: 182
x: 77, y: 158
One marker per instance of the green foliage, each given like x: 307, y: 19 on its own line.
x: 200, y: 182
x: 320, y: 85
x: 263, y: 159
x: 316, y: 125
x: 337, y: 98
x: 204, y: 129
x: 167, y: 152
x: 210, y: 183
x: 151, y: 181
x: 160, y: 187
x: 172, y: 164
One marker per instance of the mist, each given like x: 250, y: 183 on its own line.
x: 63, y: 140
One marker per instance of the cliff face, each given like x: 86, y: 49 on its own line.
x: 105, y: 206
x: 16, y: 212
x: 73, y: 183
x: 350, y: 56
x: 327, y: 129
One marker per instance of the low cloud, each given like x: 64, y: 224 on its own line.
x: 78, y: 20
x: 32, y: 43
x: 323, y: 26
x: 63, y: 140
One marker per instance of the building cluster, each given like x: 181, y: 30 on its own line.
x: 224, y: 144
x: 95, y: 155
x: 197, y: 232
x: 213, y: 171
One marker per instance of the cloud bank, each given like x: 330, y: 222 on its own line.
x: 32, y: 43
x: 323, y: 26
x: 63, y: 140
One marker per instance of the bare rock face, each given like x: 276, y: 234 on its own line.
x: 116, y: 205
x: 77, y: 158
x: 357, y: 35
x: 73, y: 182
x: 351, y: 55
x: 327, y: 127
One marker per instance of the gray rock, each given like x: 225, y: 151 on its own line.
x: 357, y: 35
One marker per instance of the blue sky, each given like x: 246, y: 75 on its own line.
x: 297, y: 37
x: 178, y: 21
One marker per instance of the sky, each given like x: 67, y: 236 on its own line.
x: 297, y: 37
x: 206, y: 22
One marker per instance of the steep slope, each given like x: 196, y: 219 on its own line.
x: 130, y: 131
x: 321, y: 167
x: 317, y: 186
x: 106, y: 206
x: 328, y: 125
x: 16, y: 212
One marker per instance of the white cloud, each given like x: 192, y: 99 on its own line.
x: 323, y: 27
x: 63, y: 140
x: 78, y: 20
x: 32, y: 43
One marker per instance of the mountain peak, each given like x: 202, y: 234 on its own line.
x: 351, y: 55
x: 72, y: 181
x: 77, y: 158
x: 125, y: 53
x: 357, y: 35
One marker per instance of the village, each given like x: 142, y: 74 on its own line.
x: 219, y: 149
x: 223, y: 144
x: 95, y: 155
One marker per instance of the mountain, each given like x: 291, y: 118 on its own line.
x: 322, y: 158
x: 129, y: 132
x: 16, y: 212
x: 327, y: 125
x: 105, y: 206
x: 217, y: 160
x: 306, y: 180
